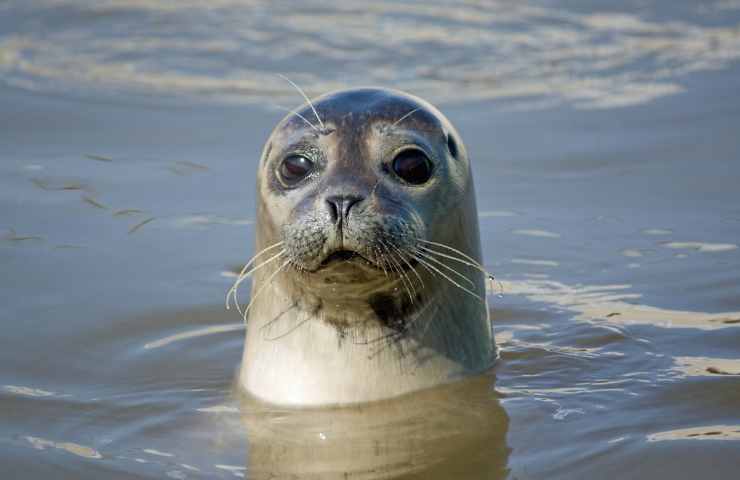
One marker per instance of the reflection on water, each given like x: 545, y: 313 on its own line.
x: 714, y: 432
x: 73, y: 448
x: 703, y: 366
x: 616, y: 304
x: 604, y: 143
x: 457, y: 431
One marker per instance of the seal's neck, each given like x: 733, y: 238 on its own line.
x: 295, y: 356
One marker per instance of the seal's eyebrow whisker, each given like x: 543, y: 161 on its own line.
x: 299, y: 116
x: 405, y: 117
x: 323, y: 127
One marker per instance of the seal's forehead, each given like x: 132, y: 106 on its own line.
x: 349, y: 106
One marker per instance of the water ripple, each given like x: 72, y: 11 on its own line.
x: 229, y: 50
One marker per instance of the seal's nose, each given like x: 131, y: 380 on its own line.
x: 340, y: 205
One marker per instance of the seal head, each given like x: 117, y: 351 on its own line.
x: 368, y: 196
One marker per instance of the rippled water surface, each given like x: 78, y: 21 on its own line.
x: 604, y: 140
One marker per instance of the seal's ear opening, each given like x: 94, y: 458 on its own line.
x: 452, y: 146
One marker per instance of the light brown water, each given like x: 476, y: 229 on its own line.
x: 607, y: 159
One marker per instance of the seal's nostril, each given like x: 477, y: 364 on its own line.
x: 349, y: 202
x: 340, y: 205
x: 334, y: 209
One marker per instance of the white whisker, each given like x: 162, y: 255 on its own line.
x: 381, y: 261
x: 405, y: 117
x: 404, y: 278
x: 249, y: 273
x: 401, y: 255
x: 246, y: 266
x: 307, y: 99
x: 432, y: 259
x: 398, y: 269
x: 262, y: 288
x: 241, y: 275
x: 299, y: 116
x: 465, y: 256
x: 475, y: 265
x: 422, y: 261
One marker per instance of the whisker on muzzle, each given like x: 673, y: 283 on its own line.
x: 445, y: 266
x: 399, y: 270
x: 446, y: 277
x: 267, y: 283
x: 246, y: 272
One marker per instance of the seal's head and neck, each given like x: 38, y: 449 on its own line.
x: 368, y: 283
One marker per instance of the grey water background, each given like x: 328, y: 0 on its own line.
x: 604, y: 140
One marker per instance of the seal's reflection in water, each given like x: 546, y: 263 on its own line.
x: 453, y: 431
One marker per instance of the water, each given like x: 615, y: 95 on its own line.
x: 604, y: 141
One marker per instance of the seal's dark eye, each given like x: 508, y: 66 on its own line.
x: 413, y: 166
x: 294, y: 169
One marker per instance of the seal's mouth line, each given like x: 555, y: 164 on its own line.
x: 343, y: 255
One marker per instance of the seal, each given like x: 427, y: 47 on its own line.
x: 368, y: 282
